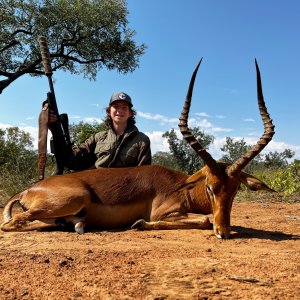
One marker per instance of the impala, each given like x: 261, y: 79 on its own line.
x: 145, y: 197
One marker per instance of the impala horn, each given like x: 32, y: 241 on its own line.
x: 266, y: 137
x: 185, y: 131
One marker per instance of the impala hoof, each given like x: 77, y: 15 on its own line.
x: 79, y: 228
x: 139, y: 225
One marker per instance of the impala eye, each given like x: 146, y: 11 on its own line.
x: 209, y: 189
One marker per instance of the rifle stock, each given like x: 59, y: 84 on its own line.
x: 60, y: 142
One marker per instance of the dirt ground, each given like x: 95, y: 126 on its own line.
x: 260, y: 261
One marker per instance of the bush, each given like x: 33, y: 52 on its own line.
x: 285, y: 181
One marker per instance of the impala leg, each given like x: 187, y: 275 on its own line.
x: 39, y: 219
x: 190, y: 221
x: 78, y: 223
x: 25, y: 222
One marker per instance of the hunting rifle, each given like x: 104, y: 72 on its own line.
x: 60, y: 143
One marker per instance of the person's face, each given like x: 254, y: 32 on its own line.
x: 120, y: 112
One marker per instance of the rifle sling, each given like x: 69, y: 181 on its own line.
x: 42, y: 142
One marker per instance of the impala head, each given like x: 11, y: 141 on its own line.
x: 221, y: 181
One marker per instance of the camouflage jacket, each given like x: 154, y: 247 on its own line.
x: 107, y: 150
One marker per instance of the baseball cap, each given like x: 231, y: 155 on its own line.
x: 120, y: 97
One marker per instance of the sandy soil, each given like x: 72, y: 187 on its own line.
x: 260, y: 261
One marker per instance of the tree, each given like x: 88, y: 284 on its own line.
x: 81, y: 131
x: 186, y: 158
x: 16, y: 149
x: 165, y: 159
x: 235, y: 149
x: 278, y: 160
x: 83, y: 36
x: 18, y: 161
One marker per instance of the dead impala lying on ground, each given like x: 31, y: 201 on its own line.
x: 149, y: 197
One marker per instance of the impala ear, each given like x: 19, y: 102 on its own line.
x: 254, y: 184
x: 193, y: 180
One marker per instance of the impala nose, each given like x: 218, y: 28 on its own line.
x: 222, y: 232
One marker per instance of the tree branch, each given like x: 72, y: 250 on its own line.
x: 11, y: 44
x: 22, y: 31
x: 11, y: 77
x: 69, y: 57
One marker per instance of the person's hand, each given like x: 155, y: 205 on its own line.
x: 52, y: 117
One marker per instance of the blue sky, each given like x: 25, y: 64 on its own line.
x: 229, y: 35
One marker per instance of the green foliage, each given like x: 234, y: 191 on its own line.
x: 165, y: 159
x: 82, y: 131
x: 278, y: 159
x: 83, y: 36
x: 18, y: 161
x: 16, y: 149
x: 234, y: 149
x: 186, y: 158
x: 285, y: 180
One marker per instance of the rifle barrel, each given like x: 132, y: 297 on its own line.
x: 53, y: 105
